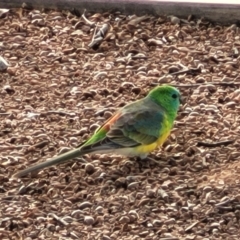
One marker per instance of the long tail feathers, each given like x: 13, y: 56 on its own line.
x: 56, y: 160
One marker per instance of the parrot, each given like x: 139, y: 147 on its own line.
x: 134, y: 130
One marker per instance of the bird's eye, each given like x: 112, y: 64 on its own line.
x: 174, y: 96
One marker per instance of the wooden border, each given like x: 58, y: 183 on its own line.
x: 225, y: 13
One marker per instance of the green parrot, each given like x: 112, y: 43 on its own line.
x: 134, y: 130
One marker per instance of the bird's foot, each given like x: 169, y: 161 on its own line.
x: 153, y: 160
x: 146, y: 162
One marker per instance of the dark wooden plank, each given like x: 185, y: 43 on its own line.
x: 220, y: 12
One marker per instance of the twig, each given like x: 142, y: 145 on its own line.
x: 223, y: 203
x: 37, y: 145
x: 92, y: 24
x: 226, y: 84
x: 61, y: 113
x: 192, y: 71
x: 191, y: 226
x: 13, y: 147
x: 41, y: 144
x: 9, y: 198
x: 5, y: 114
x: 94, y: 33
x: 227, y: 208
x: 99, y: 36
x: 215, y: 144
x: 58, y: 219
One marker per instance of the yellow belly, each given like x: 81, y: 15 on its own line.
x: 144, y: 149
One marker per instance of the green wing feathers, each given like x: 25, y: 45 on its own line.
x: 140, y: 127
x: 139, y: 124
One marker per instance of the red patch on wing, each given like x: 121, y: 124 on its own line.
x: 106, y: 126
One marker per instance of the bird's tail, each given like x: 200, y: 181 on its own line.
x: 56, y: 160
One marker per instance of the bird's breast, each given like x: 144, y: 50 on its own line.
x: 144, y: 149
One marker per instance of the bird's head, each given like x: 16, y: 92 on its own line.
x: 167, y: 97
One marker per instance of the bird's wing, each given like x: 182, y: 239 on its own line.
x: 135, y: 126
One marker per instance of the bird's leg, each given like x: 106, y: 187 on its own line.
x: 153, y: 160
x: 144, y: 163
x: 140, y: 162
x: 146, y: 157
